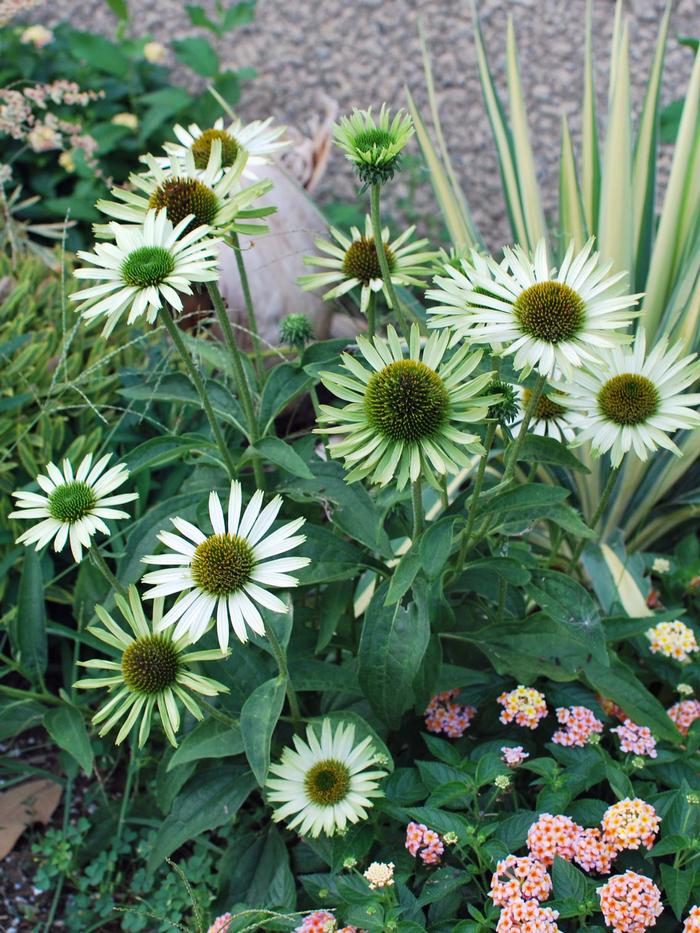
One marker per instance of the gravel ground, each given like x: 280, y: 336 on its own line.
x: 366, y: 51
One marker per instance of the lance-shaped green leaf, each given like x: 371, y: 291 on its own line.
x: 258, y: 720
x: 572, y: 223
x: 589, y: 143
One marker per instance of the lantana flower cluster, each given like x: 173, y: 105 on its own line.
x: 673, y: 640
x: 631, y: 824
x: 520, y: 877
x: 424, y: 841
x: 323, y: 921
x: 637, y: 740
x: 579, y: 723
x: 552, y: 836
x: 684, y: 713
x: 525, y: 706
x: 692, y: 923
x: 513, y: 755
x: 452, y: 719
x: 630, y: 903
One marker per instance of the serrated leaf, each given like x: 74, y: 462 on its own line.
x: 209, y: 800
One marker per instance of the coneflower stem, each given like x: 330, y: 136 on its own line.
x: 474, y: 501
x: 381, y: 257
x: 244, y: 395
x: 249, y: 307
x: 197, y: 381
x: 514, y: 449
x: 98, y: 561
x: 371, y: 315
x: 593, y: 524
x: 417, y: 498
x: 281, y: 659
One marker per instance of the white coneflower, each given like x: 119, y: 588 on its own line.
x: 146, y: 268
x: 212, y: 195
x: 405, y: 417
x: 153, y: 672
x: 631, y: 401
x: 225, y: 573
x: 75, y: 505
x: 258, y: 140
x: 324, y: 783
x: 352, y: 262
x: 549, y: 321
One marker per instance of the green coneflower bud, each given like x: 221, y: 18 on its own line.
x: 507, y: 409
x: 374, y: 147
x: 296, y: 330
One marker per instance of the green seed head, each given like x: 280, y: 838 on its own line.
x: 361, y: 260
x: 222, y: 564
x: 71, y: 501
x: 374, y: 137
x: 550, y: 311
x: 150, y: 664
x: 628, y: 399
x: 201, y: 148
x: 183, y: 196
x: 147, y: 265
x: 406, y: 401
x: 327, y: 782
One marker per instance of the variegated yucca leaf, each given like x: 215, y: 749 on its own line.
x: 613, y: 197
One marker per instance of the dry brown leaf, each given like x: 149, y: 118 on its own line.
x: 33, y: 802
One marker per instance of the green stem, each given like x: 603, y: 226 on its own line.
x: 29, y: 695
x: 216, y: 712
x: 502, y: 593
x: 474, y: 502
x: 67, y: 803
x: 515, y: 447
x: 197, y: 381
x: 241, y: 381
x: 371, y: 314
x: 281, y: 659
x: 130, y: 772
x: 604, y: 496
x: 383, y: 262
x: 250, y: 310
x: 98, y: 561
x: 417, y: 498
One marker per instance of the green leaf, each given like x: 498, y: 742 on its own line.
x: 678, y: 886
x: 120, y: 9
x: 240, y: 14
x: 31, y: 617
x: 282, y: 455
x: 66, y: 727
x: 258, y: 720
x: 435, y: 546
x: 259, y: 873
x: 284, y: 384
x: 99, y: 53
x: 565, y: 600
x: 538, y: 449
x: 209, y: 800
x: 199, y: 18
x: 311, y: 676
x: 523, y: 498
x: 178, y: 388
x: 620, y: 685
x: 569, y: 882
x: 16, y: 716
x: 159, y: 451
x: 197, y: 53
x: 404, y: 574
x: 208, y: 739
x: 392, y: 645
x: 162, y: 105
x: 332, y: 558
x: 505, y: 567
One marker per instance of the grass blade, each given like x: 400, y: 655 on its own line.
x: 572, y: 223
x: 590, y: 154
